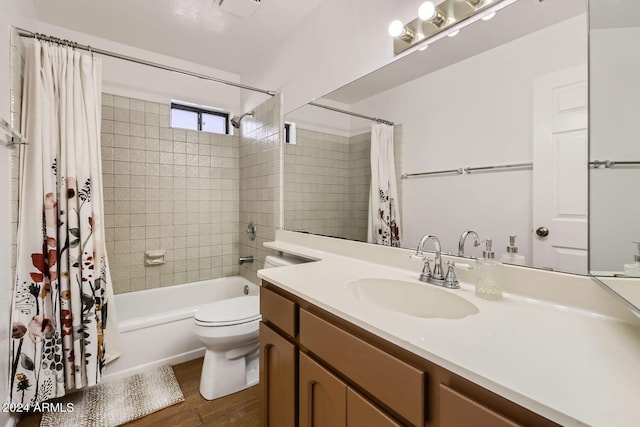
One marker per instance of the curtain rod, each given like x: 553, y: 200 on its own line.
x: 362, y: 116
x: 30, y: 34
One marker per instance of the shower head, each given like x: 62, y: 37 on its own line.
x: 235, y: 122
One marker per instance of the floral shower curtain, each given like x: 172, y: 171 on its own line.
x: 62, y: 295
x: 384, y: 218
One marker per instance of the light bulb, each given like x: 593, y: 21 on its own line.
x: 396, y: 28
x: 426, y: 11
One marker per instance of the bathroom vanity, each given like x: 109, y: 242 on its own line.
x: 557, y: 350
x: 343, y: 375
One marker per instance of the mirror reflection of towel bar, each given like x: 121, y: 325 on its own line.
x: 611, y: 163
x: 469, y: 169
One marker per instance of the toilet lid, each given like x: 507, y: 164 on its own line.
x: 230, y: 311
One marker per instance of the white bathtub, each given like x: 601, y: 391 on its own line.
x: 156, y: 325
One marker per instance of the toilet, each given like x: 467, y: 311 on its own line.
x: 229, y: 331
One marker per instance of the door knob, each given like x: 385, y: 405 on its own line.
x: 542, y: 231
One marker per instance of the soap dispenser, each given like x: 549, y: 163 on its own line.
x: 633, y: 269
x: 487, y: 283
x: 512, y: 256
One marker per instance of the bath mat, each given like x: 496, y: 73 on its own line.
x: 118, y: 402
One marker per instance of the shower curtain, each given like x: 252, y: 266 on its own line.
x: 62, y: 300
x: 384, y: 218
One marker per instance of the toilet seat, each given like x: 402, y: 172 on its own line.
x: 227, y: 312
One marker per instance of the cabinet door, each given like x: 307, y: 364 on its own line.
x: 362, y: 413
x: 277, y: 379
x: 323, y: 398
x: 457, y: 410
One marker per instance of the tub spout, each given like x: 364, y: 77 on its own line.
x: 247, y: 259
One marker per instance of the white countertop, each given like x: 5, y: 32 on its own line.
x: 573, y: 366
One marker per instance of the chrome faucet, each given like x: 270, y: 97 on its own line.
x: 463, y: 239
x: 435, y: 277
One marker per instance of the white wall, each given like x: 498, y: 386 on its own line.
x: 473, y: 113
x: 337, y: 43
x: 19, y: 13
x: 143, y: 82
x: 614, y: 209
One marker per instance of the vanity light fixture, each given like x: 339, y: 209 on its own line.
x: 437, y: 21
x: 428, y: 12
x: 398, y: 29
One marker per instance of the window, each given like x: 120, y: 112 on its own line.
x: 289, y: 133
x: 194, y: 118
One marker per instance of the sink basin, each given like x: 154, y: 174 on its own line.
x: 414, y: 299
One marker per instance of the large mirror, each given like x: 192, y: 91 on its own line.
x: 614, y: 62
x: 501, y: 92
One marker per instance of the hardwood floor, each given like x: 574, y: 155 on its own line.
x: 237, y: 410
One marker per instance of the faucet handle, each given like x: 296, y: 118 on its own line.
x: 450, y: 280
x: 426, y: 271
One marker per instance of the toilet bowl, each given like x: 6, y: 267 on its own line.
x: 229, y: 331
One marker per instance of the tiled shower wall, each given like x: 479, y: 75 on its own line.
x: 166, y: 189
x: 260, y: 181
x: 327, y: 181
x: 359, y: 184
x: 317, y: 191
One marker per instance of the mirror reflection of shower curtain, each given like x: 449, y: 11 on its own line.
x: 63, y: 299
x: 384, y: 214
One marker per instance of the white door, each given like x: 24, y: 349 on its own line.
x: 560, y: 168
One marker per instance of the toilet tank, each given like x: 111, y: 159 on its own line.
x: 271, y: 261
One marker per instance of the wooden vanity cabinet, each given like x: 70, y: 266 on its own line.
x: 362, y: 413
x: 457, y: 410
x: 325, y: 400
x: 278, y: 361
x: 323, y: 396
x: 394, y: 383
x: 318, y: 370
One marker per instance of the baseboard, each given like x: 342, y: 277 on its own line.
x: 173, y: 360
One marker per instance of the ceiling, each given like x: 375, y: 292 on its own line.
x: 200, y: 31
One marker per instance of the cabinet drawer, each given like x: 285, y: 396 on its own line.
x: 393, y: 382
x: 457, y: 410
x: 278, y: 311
